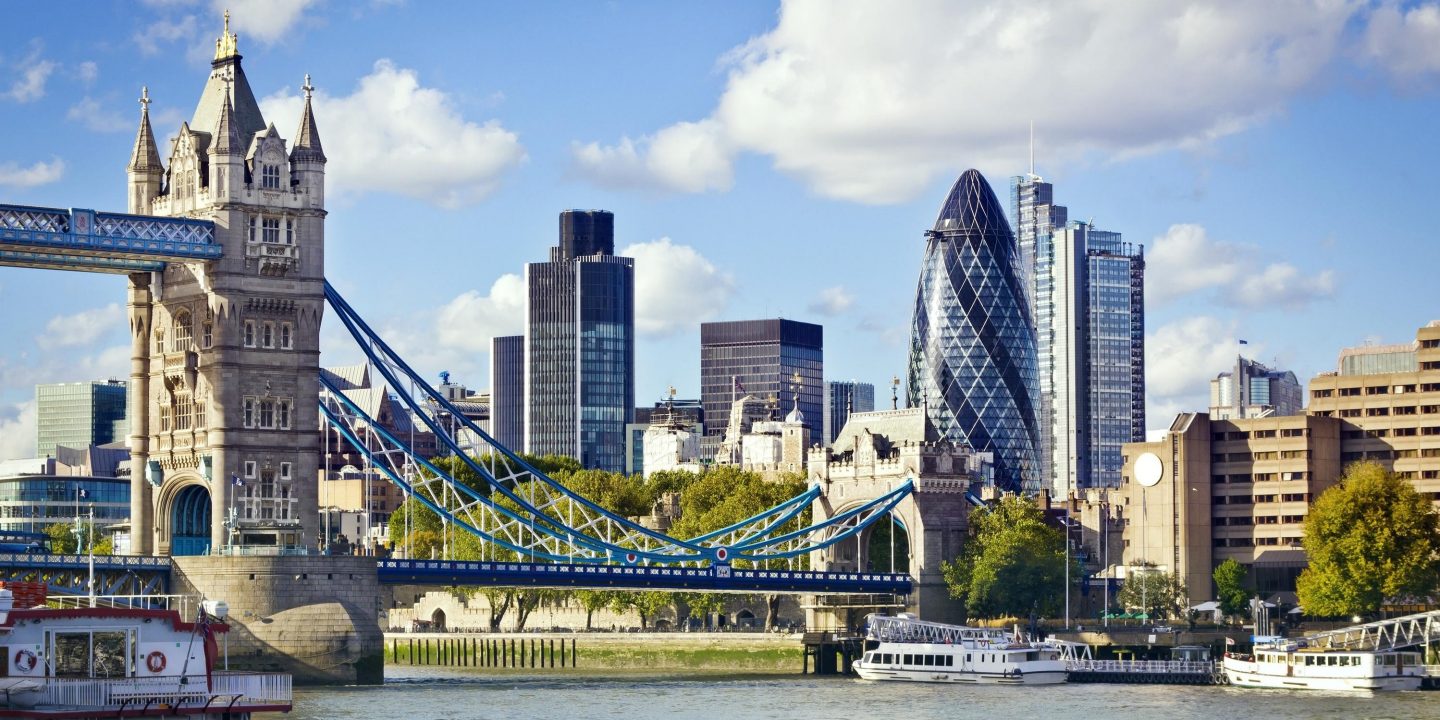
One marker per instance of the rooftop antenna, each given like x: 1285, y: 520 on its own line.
x: 1032, y: 148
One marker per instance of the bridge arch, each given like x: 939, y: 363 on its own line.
x: 185, y: 517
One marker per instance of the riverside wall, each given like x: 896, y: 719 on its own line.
x: 315, y: 617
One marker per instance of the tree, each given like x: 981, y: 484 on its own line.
x: 64, y: 542
x: 593, y: 600
x: 1370, y: 538
x: 1153, y: 591
x: 1230, y: 588
x: 1013, y: 563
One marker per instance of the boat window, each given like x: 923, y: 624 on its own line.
x: 930, y: 660
x: 907, y: 659
x: 885, y: 658
x: 90, y: 654
x: 968, y: 658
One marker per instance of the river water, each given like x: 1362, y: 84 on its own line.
x: 443, y: 694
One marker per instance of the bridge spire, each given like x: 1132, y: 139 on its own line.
x: 227, y: 133
x: 145, y: 156
x: 307, y: 138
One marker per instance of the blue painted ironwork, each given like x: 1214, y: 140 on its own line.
x: 717, y: 578
x: 70, y: 574
x: 90, y: 241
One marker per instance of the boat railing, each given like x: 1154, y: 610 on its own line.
x: 179, y: 603
x: 1151, y: 667
x: 176, y: 691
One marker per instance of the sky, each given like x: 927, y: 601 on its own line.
x: 1277, y: 161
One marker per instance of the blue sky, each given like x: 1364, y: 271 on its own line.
x: 1276, y: 159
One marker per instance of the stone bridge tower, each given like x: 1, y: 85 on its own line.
x: 225, y: 359
x: 874, y: 453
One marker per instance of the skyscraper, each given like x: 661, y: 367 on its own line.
x: 78, y: 415
x: 972, y: 347
x: 1092, y: 344
x: 507, y: 391
x: 1032, y: 206
x: 759, y: 358
x: 580, y: 345
x: 843, y: 397
x: 1253, y: 390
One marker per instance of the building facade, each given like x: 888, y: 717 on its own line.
x: 1252, y: 390
x: 507, y: 391
x: 224, y: 377
x: 769, y: 359
x: 843, y: 397
x: 972, y: 359
x: 79, y: 415
x: 90, y: 483
x: 580, y: 345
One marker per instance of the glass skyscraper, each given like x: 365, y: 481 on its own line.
x: 760, y: 358
x: 79, y: 415
x: 507, y: 391
x: 972, y: 346
x: 843, y: 397
x: 580, y: 345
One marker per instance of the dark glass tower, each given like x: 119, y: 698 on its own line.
x: 580, y: 345
x: 760, y: 358
x: 507, y: 391
x: 972, y: 347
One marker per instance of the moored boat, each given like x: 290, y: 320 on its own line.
x: 907, y: 649
x: 1289, y: 665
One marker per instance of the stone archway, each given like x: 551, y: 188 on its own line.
x: 887, y: 545
x: 437, y: 620
x: 190, y: 521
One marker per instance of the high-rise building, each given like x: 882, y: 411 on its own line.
x: 79, y: 415
x: 1037, y: 217
x: 843, y: 397
x: 580, y: 345
x: 507, y: 391
x: 1091, y: 337
x: 765, y: 358
x: 972, y: 345
x: 1252, y: 390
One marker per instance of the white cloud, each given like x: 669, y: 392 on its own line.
x: 88, y: 72
x: 872, y: 102
x: 1180, y: 360
x: 17, y: 432
x: 832, y: 301
x: 184, y: 29
x: 265, y: 20
x: 1282, y: 286
x: 685, y: 157
x: 82, y: 328
x: 1185, y: 259
x: 34, y: 73
x: 1404, y: 42
x: 41, y: 173
x: 393, y: 135
x: 88, y: 112
x: 675, y: 287
x: 470, y: 320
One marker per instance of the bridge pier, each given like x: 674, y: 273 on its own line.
x: 316, y: 617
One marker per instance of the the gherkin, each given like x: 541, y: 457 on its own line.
x: 972, y: 344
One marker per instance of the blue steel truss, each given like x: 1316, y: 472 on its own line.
x: 70, y: 574
x: 92, y: 241
x: 524, y: 511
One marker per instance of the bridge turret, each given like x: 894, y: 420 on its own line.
x: 307, y: 157
x: 227, y: 156
x: 144, y: 171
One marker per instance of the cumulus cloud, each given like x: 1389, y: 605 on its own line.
x: 17, y: 431
x: 264, y: 20
x: 166, y: 30
x: 394, y: 135
x: 685, y: 157
x: 1181, y: 358
x: 675, y: 287
x: 1186, y: 260
x: 832, y: 301
x: 1282, y: 285
x: 1405, y: 42
x: 41, y: 173
x: 34, y: 72
x: 844, y: 97
x: 88, y: 72
x: 89, y: 112
x: 82, y: 328
x: 470, y: 320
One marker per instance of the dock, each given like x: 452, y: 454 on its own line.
x: 1146, y: 672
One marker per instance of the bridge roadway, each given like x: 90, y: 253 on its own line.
x: 127, y: 575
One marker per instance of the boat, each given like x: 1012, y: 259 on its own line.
x: 108, y: 662
x: 907, y: 649
x: 1294, y: 666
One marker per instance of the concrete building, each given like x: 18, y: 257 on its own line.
x: 762, y: 358
x: 673, y: 426
x: 843, y: 397
x: 507, y: 391
x: 79, y: 415
x: 226, y: 353
x: 580, y: 345
x: 1253, y: 390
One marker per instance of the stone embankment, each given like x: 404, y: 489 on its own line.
x: 601, y: 652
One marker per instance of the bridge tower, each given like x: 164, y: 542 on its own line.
x: 225, y: 353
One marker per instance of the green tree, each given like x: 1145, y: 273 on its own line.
x: 1155, y: 592
x: 592, y: 601
x: 64, y: 542
x: 1013, y: 563
x: 1230, y: 588
x: 1370, y: 538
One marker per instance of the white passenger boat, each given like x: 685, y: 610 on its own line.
x: 1291, y: 666
x: 904, y: 648
x: 106, y: 662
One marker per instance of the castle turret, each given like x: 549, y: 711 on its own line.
x: 144, y: 171
x: 227, y: 156
x: 307, y: 157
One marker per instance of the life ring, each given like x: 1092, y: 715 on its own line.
x: 25, y: 661
x: 155, y: 662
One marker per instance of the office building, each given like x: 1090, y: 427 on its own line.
x: 972, y: 359
x: 1037, y: 217
x: 79, y: 414
x: 507, y: 391
x: 769, y: 359
x: 580, y: 345
x: 843, y: 397
x: 86, y: 482
x: 1252, y: 390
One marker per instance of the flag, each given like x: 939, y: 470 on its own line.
x: 1229, y: 642
x: 1244, y: 342
x: 236, y: 481
x: 82, y: 493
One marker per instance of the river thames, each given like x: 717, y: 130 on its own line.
x: 432, y: 694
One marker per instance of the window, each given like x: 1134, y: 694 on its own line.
x: 267, y: 335
x: 180, y: 342
x: 283, y: 419
x: 1377, y: 390
x: 289, y: 231
x: 267, y: 414
x: 207, y: 334
x: 250, y: 333
x: 250, y: 229
x: 270, y: 230
x: 1322, y: 393
x: 270, y: 177
x: 249, y: 468
x: 285, y: 333
x: 159, y: 341
x: 249, y: 412
x: 285, y: 471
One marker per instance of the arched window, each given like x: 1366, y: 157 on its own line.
x: 180, y: 340
x: 207, y: 334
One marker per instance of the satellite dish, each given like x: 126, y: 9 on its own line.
x: 1149, y: 469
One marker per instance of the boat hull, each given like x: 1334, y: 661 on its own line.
x: 1241, y: 674
x: 1034, y: 677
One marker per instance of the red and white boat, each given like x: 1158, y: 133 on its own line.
x: 124, y: 662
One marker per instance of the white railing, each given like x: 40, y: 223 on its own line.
x: 259, y: 688
x: 1158, y: 667
x: 1383, y: 635
x: 179, y: 603
x: 242, y: 688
